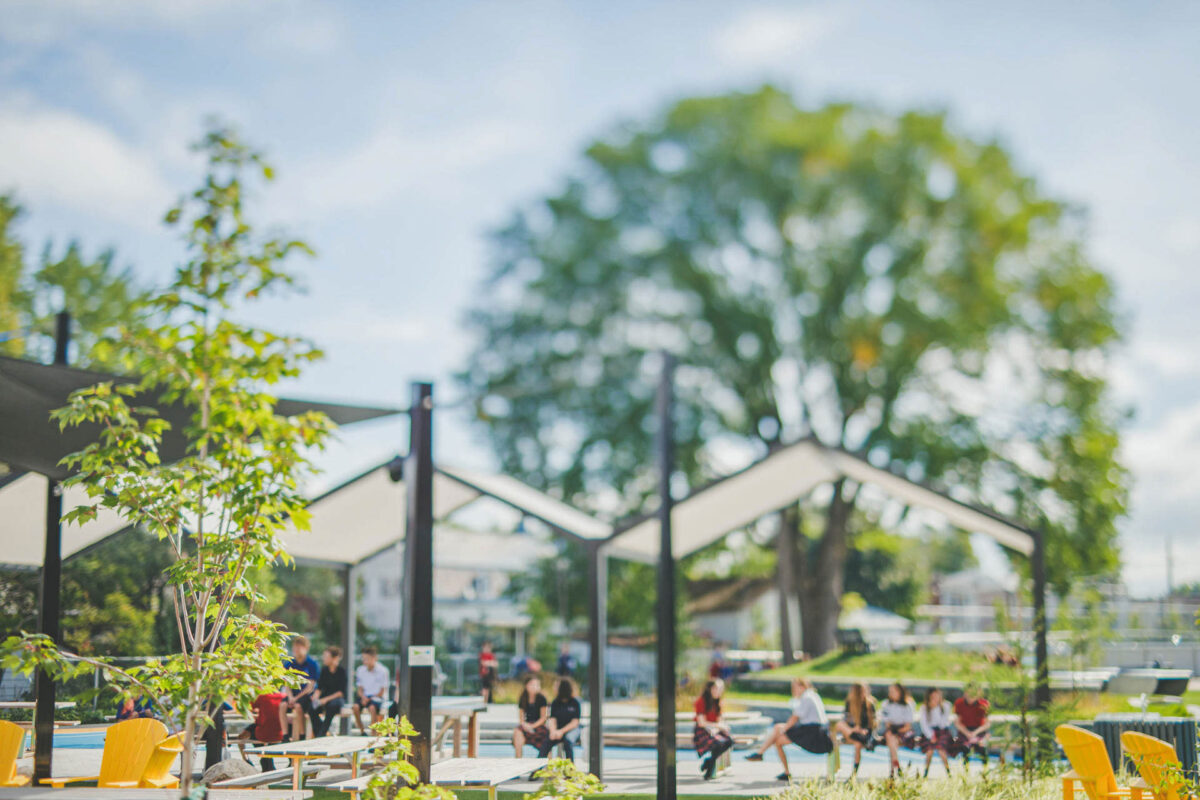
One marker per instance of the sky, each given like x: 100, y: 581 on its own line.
x: 404, y: 132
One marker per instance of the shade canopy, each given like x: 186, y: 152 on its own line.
x: 30, y: 440
x: 367, y: 514
x: 783, y: 478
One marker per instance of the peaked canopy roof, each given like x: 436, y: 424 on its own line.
x: 30, y: 440
x: 784, y: 477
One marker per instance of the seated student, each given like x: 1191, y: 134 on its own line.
x: 897, y: 716
x: 297, y: 703
x: 857, y: 725
x: 807, y: 727
x: 972, y: 724
x: 371, y: 684
x: 563, y: 724
x: 267, y: 726
x: 711, y: 736
x: 330, y: 694
x: 532, y: 710
x: 933, y: 720
x: 135, y: 707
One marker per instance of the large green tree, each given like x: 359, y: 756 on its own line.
x: 881, y: 281
x: 99, y: 294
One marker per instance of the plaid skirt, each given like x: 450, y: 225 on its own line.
x: 980, y: 746
x: 908, y: 739
x: 705, y: 740
x: 538, y: 738
x: 942, y: 739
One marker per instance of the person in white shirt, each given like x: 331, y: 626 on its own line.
x: 807, y: 727
x: 937, y: 733
x: 371, y: 687
x: 897, y: 716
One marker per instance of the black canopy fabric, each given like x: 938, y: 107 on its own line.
x: 31, y: 441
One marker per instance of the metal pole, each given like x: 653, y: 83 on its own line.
x: 785, y: 548
x: 666, y: 587
x: 349, y: 634
x: 597, y: 641
x: 419, y: 578
x: 1041, y: 655
x: 49, y: 602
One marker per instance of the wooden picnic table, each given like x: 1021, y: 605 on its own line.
x: 489, y: 772
x: 453, y: 710
x: 325, y: 747
x: 83, y: 793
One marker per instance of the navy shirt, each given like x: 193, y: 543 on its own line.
x: 563, y: 711
x: 308, y: 667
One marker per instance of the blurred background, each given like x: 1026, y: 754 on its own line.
x: 498, y: 192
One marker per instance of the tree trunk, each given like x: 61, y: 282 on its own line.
x: 822, y: 583
x: 785, y: 550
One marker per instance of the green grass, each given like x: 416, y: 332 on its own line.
x: 481, y: 794
x: 921, y: 665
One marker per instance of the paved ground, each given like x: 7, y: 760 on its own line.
x: 628, y: 775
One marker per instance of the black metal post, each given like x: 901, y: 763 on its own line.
x: 1041, y: 653
x: 419, y: 578
x: 666, y: 586
x: 785, y: 549
x: 597, y: 641
x: 349, y: 634
x: 49, y: 601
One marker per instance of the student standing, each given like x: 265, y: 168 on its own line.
x: 936, y: 732
x: 563, y: 724
x: 330, y: 695
x: 711, y: 736
x: 297, y: 703
x: 533, y: 710
x: 371, y: 685
x: 489, y: 668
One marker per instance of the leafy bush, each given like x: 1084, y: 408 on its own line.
x: 561, y: 779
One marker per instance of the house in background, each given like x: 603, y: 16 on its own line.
x: 743, y: 614
x: 471, y: 570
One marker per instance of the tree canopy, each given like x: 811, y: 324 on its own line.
x: 880, y: 280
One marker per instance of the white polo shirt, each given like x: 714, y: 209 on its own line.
x: 373, y: 682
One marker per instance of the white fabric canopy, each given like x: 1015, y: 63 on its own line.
x: 23, y: 522
x: 531, y: 502
x: 782, y: 478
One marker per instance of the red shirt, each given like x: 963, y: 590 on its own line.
x: 971, y: 714
x: 487, y: 661
x: 710, y: 715
x: 266, y: 717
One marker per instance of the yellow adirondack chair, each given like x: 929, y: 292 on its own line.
x: 158, y: 768
x: 1157, y: 763
x: 128, y: 746
x: 1090, y: 766
x: 12, y: 736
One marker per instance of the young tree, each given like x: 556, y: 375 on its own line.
x: 220, y: 508
x: 880, y: 281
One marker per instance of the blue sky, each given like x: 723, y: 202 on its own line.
x: 403, y: 132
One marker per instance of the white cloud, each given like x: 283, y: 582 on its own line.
x: 763, y: 36
x: 392, y: 160
x: 55, y: 157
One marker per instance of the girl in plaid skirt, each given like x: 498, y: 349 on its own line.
x: 533, y: 710
x: 937, y: 735
x: 711, y: 735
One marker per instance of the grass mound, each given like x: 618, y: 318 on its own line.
x: 923, y: 665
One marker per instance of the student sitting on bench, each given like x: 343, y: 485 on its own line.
x: 711, y: 736
x: 267, y: 726
x: 563, y: 725
x: 807, y: 727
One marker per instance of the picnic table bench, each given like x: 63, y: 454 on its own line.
x: 489, y: 772
x: 82, y: 793
x: 324, y: 748
x: 267, y: 778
